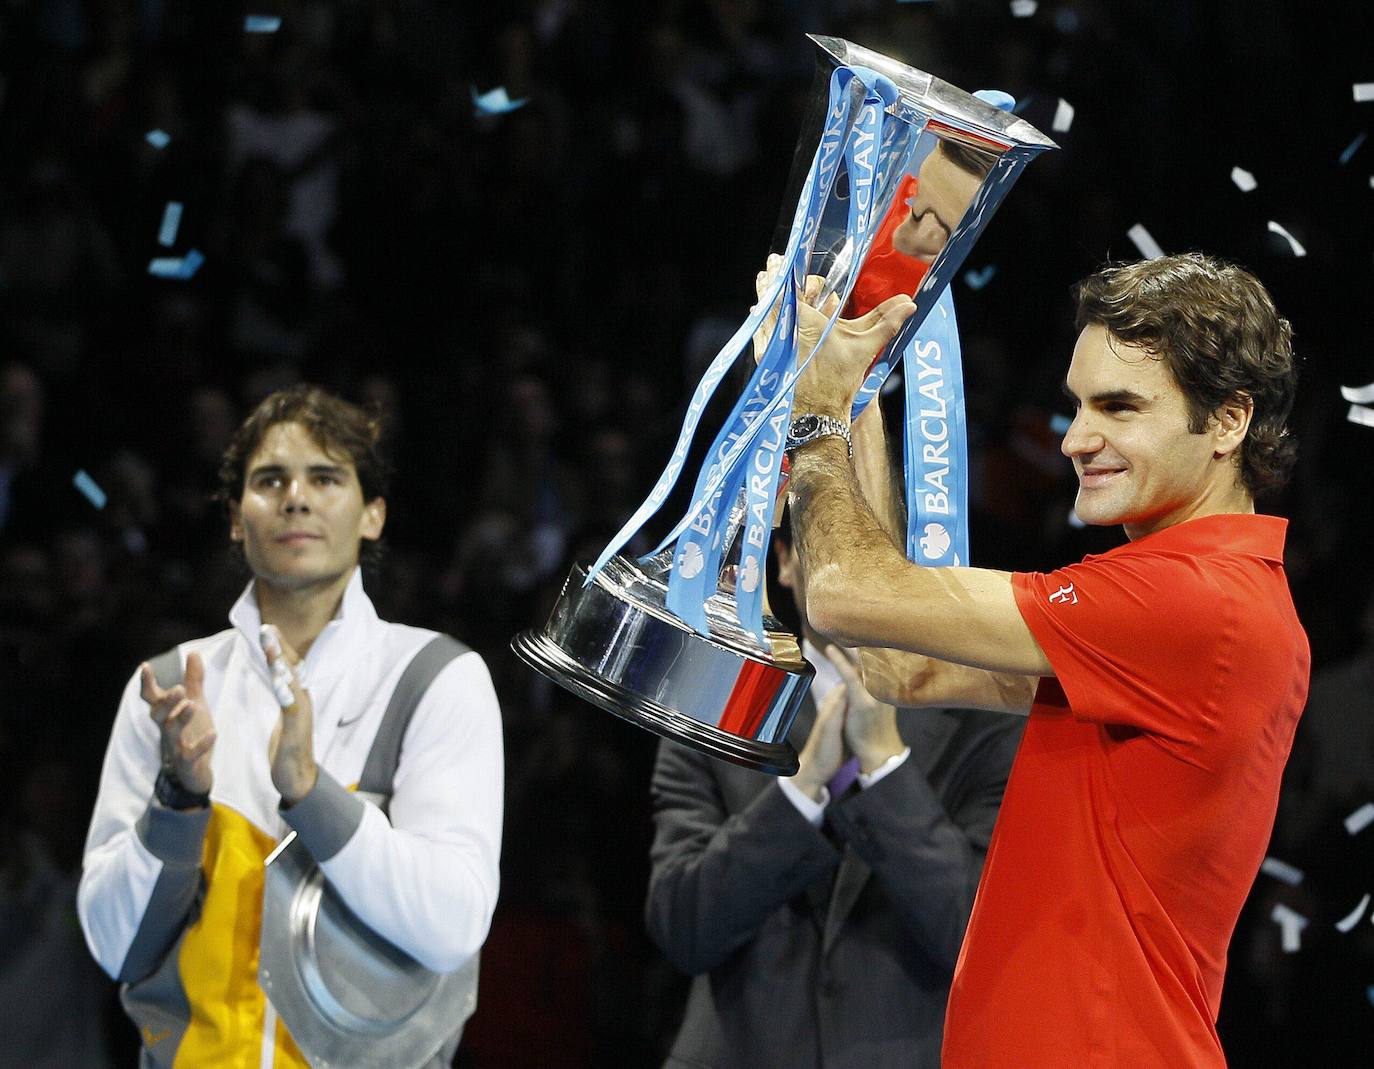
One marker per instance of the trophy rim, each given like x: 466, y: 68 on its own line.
x: 547, y: 658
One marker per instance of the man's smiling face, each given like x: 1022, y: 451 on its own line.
x: 1137, y: 462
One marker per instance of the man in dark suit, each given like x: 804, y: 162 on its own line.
x: 822, y: 929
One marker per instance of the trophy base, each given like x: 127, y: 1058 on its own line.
x: 612, y: 642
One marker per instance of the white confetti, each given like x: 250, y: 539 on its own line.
x: 1364, y: 92
x: 1075, y: 521
x: 1293, y: 243
x: 1148, y: 246
x: 171, y: 220
x: 1359, y: 395
x: 1243, y: 179
x: 1292, y: 924
x: 1024, y: 9
x: 1281, y: 870
x: 1364, y: 416
x: 159, y: 139
x: 1360, y: 819
x: 1063, y: 117
x: 261, y: 23
x: 1352, y: 918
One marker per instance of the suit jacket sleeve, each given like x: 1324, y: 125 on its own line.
x: 927, y: 848
x: 716, y: 875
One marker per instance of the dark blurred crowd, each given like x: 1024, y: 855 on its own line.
x: 527, y: 297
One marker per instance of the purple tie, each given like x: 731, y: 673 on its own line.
x: 844, y: 777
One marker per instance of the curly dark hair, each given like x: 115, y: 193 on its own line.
x: 336, y: 425
x: 1216, y: 327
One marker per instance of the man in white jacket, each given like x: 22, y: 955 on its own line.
x: 203, y: 777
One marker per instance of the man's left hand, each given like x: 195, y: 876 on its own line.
x: 829, y: 383
x: 870, y: 726
x: 291, y: 751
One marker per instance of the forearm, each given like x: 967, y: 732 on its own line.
x: 141, y: 869
x: 914, y: 681
x: 716, y: 877
x: 926, y: 863
x: 432, y: 899
x: 876, y: 474
x: 862, y: 591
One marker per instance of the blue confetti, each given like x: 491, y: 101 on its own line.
x: 89, y: 490
x: 1021, y: 105
x: 171, y: 220
x: 998, y: 99
x: 178, y: 267
x: 1060, y: 424
x: 261, y: 23
x: 495, y: 101
x: 159, y: 139
x: 976, y: 280
x: 1369, y: 994
x: 1353, y: 147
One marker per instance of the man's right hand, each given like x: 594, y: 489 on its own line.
x: 824, y: 751
x: 183, y: 717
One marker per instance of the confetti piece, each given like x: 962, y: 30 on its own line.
x: 1024, y: 9
x: 1243, y: 179
x: 261, y: 23
x: 1359, y: 395
x: 179, y: 267
x: 1021, y: 105
x: 1364, y: 92
x: 171, y: 220
x: 1282, y: 871
x: 1365, y: 416
x: 1293, y: 243
x: 1063, y: 117
x: 1360, y: 819
x: 1352, y: 918
x: 1075, y: 521
x: 159, y: 139
x: 1352, y: 148
x: 89, y: 490
x: 1292, y: 924
x: 1060, y: 424
x: 978, y: 279
x: 1369, y: 994
x: 495, y: 101
x: 1148, y: 246
x: 998, y: 99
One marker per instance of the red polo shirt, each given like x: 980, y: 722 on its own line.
x: 1139, y: 805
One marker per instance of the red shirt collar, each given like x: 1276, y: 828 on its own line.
x: 1246, y: 533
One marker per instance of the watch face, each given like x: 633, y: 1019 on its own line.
x: 804, y: 425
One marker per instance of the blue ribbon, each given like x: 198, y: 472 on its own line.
x: 936, y: 444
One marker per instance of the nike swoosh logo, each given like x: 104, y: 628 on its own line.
x: 353, y: 720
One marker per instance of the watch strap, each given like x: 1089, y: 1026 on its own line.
x: 169, y: 792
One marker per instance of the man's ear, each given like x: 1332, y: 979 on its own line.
x: 1231, y: 422
x: 235, y: 522
x: 374, y: 519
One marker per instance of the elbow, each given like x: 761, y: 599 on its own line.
x: 674, y: 936
x: 451, y: 950
x: 830, y: 607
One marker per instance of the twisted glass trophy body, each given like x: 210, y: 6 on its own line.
x: 896, y: 174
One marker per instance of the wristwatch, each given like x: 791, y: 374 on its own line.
x: 169, y: 792
x: 809, y: 426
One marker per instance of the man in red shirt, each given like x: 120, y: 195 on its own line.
x: 1163, y: 679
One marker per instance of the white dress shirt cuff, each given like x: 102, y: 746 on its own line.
x: 867, y: 779
x: 812, y: 810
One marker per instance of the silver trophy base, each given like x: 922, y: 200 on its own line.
x: 614, y: 643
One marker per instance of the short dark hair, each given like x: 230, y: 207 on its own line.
x: 336, y: 425
x: 1216, y: 327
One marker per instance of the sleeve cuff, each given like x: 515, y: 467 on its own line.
x: 813, y: 811
x: 326, y: 818
x: 867, y: 779
x: 173, y: 836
